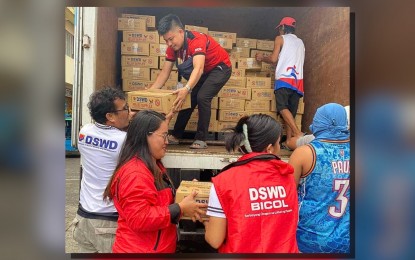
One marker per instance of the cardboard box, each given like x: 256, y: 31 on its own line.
x: 243, y: 52
x: 140, y: 61
x: 196, y: 28
x: 150, y: 20
x: 235, y: 92
x: 230, y: 115
x: 170, y: 85
x: 135, y: 84
x: 195, y: 114
x: 162, y: 59
x: 140, y: 36
x: 233, y: 63
x: 135, y: 73
x: 265, y: 45
x: 156, y: 99
x: 232, y: 103
x: 215, y: 103
x: 246, y: 43
x: 132, y: 24
x: 249, y: 64
x: 174, y: 75
x: 234, y: 55
x: 300, y: 109
x: 135, y: 48
x: 158, y: 49
x: 258, y: 82
x: 258, y: 105
x: 298, y: 119
x: 225, y: 43
x: 236, y: 82
x: 186, y: 188
x: 271, y: 114
x: 259, y: 74
x: 226, y: 35
x: 262, y: 93
x: 238, y: 72
x: 222, y: 126
x: 192, y: 125
x: 264, y: 53
x: 267, y: 67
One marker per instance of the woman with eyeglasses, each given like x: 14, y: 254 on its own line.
x: 143, y: 193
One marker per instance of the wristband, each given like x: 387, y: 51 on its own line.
x: 189, y: 89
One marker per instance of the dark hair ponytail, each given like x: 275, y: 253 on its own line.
x: 262, y: 130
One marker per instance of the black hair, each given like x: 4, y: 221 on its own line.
x: 168, y: 22
x: 102, y: 101
x: 262, y: 131
x: 136, y: 145
x: 288, y: 29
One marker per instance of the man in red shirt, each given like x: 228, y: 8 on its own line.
x: 203, y: 63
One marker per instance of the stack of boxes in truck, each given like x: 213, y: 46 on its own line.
x: 248, y: 91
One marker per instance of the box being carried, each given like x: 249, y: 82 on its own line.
x: 185, y: 189
x: 155, y: 99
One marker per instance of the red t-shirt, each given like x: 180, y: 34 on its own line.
x: 196, y: 45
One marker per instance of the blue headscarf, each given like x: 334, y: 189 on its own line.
x: 330, y: 122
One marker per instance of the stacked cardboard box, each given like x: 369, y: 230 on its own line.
x: 141, y: 52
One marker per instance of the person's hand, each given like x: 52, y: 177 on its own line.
x: 190, y: 207
x: 181, y: 96
x: 259, y: 56
x: 170, y: 115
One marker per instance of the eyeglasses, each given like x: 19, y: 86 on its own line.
x: 125, y: 108
x: 164, y: 135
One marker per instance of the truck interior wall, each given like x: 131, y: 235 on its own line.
x: 325, y: 32
x: 326, y: 38
x: 108, y: 60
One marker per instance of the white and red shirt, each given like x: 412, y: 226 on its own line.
x: 289, y: 70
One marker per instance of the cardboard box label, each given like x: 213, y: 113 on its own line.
x: 258, y: 105
x: 135, y: 48
x: 236, y: 82
x: 235, y: 92
x: 232, y: 103
x: 262, y: 94
x: 132, y: 24
x: 258, y: 82
x: 226, y: 35
x: 137, y: 36
x: 135, y: 73
x: 249, y: 63
x: 158, y: 49
x: 135, y: 84
x: 140, y: 61
x: 238, y: 72
x: 230, y: 116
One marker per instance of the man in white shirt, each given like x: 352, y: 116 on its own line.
x: 288, y: 54
x: 99, y: 144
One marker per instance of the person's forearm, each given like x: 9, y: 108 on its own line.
x: 161, y: 79
x: 194, y: 77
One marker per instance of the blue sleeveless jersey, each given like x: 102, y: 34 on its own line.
x: 323, y: 194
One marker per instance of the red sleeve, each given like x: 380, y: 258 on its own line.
x: 197, y: 46
x: 138, y: 201
x: 170, y: 55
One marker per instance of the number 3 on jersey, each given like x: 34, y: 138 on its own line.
x: 340, y: 185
